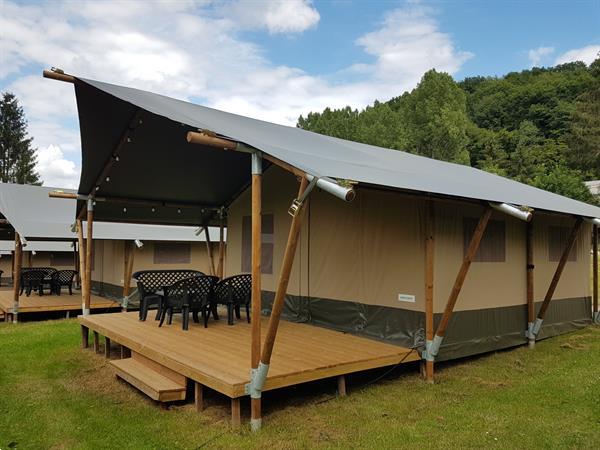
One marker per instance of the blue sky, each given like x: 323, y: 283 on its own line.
x: 270, y: 59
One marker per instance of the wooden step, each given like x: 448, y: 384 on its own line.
x: 152, y: 383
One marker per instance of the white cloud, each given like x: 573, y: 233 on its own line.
x: 409, y: 43
x: 279, y: 16
x: 536, y: 55
x: 55, y: 170
x: 586, y: 54
x: 194, y: 50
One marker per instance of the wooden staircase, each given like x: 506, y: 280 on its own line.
x: 155, y: 380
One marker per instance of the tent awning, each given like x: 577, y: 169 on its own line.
x: 34, y: 215
x: 158, y: 163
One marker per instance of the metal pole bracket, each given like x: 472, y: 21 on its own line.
x: 257, y: 380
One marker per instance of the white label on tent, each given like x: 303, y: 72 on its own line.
x: 406, y: 298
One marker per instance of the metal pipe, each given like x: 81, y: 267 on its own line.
x: 592, y: 220
x: 512, y: 211
x: 332, y: 187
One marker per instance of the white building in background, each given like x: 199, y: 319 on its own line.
x: 593, y: 186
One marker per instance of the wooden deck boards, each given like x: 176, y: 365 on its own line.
x: 46, y: 303
x: 219, y: 356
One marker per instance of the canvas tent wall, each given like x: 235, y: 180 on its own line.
x: 355, y: 259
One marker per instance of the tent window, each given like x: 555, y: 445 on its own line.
x: 493, y: 244
x: 267, y: 244
x: 172, y: 253
x: 62, y: 259
x: 557, y: 242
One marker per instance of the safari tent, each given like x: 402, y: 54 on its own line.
x: 46, y: 238
x: 430, y: 256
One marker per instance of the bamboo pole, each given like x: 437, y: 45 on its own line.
x: 559, y: 269
x: 429, y: 267
x: 82, y: 272
x: 221, y: 266
x: 530, y: 292
x: 255, y: 403
x: 284, y: 278
x: 595, y: 268
x: 51, y: 74
x: 209, y: 253
x: 88, y: 258
x: 462, y: 273
x: 17, y: 276
x: 128, y: 258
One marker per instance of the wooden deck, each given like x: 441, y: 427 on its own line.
x: 219, y: 356
x: 48, y: 303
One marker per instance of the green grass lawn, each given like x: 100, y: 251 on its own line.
x: 55, y: 395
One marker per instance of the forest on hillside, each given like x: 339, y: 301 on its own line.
x: 539, y: 126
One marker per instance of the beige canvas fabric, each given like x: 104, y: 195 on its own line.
x: 109, y: 260
x: 372, y: 249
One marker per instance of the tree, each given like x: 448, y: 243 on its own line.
x: 17, y: 157
x: 584, y: 135
x: 436, y: 114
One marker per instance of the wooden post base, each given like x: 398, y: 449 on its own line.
x: 106, y: 347
x: 341, y: 385
x: 199, y: 397
x: 96, y: 342
x: 236, y: 413
x: 84, y: 337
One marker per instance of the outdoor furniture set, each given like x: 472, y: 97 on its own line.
x: 37, y: 278
x: 185, y: 291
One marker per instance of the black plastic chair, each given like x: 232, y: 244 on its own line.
x: 46, y: 280
x: 188, y: 295
x: 150, y: 282
x: 62, y: 278
x: 234, y: 292
x: 32, y: 279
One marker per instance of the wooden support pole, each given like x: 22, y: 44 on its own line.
x: 559, y: 269
x: 236, y: 413
x: 87, y: 293
x: 18, y: 260
x: 199, y: 397
x: 530, y: 292
x: 429, y: 267
x: 128, y: 259
x: 221, y: 266
x: 85, y: 331
x: 209, y: 252
x: 256, y: 299
x: 96, y: 342
x: 51, y: 74
x: 464, y: 269
x: 284, y: 278
x: 76, y: 264
x: 341, y: 385
x: 106, y: 347
x: 82, y: 272
x: 595, y: 269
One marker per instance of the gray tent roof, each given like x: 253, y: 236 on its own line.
x: 6, y: 247
x: 159, y: 164
x: 35, y: 215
